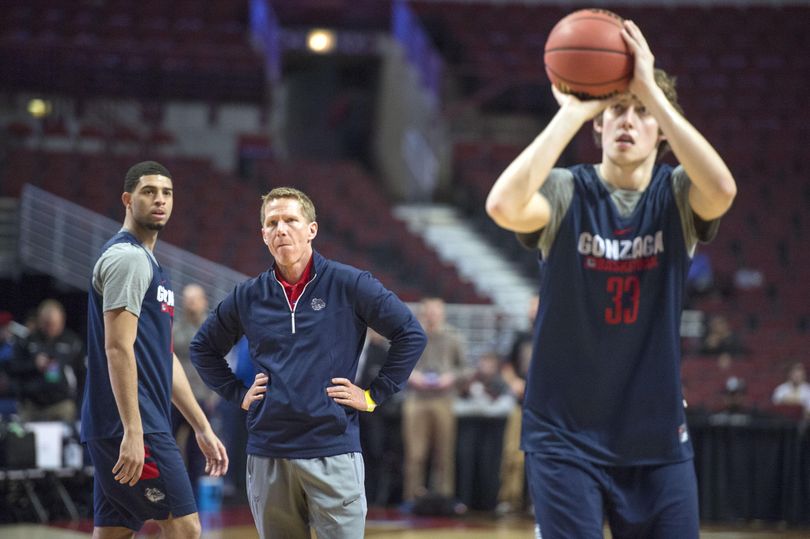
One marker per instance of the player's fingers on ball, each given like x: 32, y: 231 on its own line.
x: 637, y: 32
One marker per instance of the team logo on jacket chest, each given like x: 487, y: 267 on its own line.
x: 166, y: 299
x: 317, y: 304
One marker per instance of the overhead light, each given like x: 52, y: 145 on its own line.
x: 321, y: 41
x: 39, y: 108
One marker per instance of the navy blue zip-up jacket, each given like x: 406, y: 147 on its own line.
x: 301, y: 350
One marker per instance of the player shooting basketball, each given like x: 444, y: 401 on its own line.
x: 604, y: 425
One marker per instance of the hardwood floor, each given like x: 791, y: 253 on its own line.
x: 238, y: 525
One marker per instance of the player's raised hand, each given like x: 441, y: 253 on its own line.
x: 216, y: 457
x: 128, y: 468
x: 586, y: 109
x: 643, y: 81
x: 346, y: 393
x: 256, y: 391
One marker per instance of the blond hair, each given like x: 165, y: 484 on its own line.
x: 307, y: 207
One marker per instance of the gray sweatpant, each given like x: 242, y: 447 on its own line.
x: 288, y: 496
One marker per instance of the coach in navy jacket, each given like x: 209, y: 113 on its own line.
x: 305, y: 339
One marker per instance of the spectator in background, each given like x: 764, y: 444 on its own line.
x: 9, y: 346
x: 720, y: 337
x: 428, y: 421
x: 373, y: 426
x: 735, y: 392
x: 48, y: 367
x: 482, y: 410
x: 195, y: 310
x: 795, y: 390
x: 234, y: 427
x: 511, y: 495
x: 726, y: 366
x: 485, y: 392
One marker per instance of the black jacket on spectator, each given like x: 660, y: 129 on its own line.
x: 60, y: 379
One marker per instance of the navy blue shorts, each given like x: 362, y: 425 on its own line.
x: 573, y: 499
x: 163, y: 490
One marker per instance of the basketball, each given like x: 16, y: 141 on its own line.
x: 585, y: 54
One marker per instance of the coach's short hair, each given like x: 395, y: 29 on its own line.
x: 307, y: 207
x: 144, y: 168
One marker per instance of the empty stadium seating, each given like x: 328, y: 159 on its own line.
x: 217, y: 216
x: 133, y: 49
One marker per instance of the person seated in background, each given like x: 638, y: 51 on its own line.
x: 49, y: 368
x: 9, y: 344
x: 485, y: 392
x: 795, y: 390
x: 484, y: 404
x: 720, y: 337
x: 735, y: 399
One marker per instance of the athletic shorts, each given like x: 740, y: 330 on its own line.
x: 574, y: 498
x: 163, y: 490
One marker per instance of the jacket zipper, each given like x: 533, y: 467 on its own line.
x: 291, y: 307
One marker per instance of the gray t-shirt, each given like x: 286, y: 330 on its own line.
x: 559, y: 190
x: 122, y: 276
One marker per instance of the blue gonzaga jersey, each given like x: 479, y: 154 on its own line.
x: 153, y: 354
x: 604, y: 382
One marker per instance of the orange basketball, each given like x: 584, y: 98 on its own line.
x: 585, y: 54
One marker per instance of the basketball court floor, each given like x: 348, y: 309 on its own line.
x: 236, y: 523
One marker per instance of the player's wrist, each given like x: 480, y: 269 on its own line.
x: 133, y: 431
